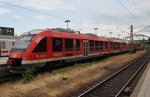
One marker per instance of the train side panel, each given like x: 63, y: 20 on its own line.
x: 6, y: 46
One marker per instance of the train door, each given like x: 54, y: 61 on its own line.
x: 85, y: 48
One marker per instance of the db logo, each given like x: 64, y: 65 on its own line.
x: 8, y: 31
x: 37, y: 56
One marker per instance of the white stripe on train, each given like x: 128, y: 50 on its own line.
x: 60, y: 58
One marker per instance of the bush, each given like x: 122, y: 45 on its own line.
x: 133, y: 50
x: 28, y: 74
x: 106, y: 67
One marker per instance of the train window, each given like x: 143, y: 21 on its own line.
x: 3, y: 45
x: 124, y: 45
x: 97, y: 45
x: 57, y: 44
x: 116, y: 46
x: 106, y: 45
x: 13, y: 43
x: 68, y: 44
x: 91, y: 45
x: 111, y: 45
x: 77, y: 44
x: 42, y: 46
x: 101, y: 45
x: 22, y: 43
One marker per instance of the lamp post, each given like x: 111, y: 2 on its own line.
x: 131, y: 39
x: 67, y: 21
x: 119, y: 36
x: 96, y: 30
x: 110, y: 34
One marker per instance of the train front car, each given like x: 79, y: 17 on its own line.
x: 21, y: 52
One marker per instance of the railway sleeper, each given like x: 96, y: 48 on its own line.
x: 118, y: 82
x: 113, y: 93
x: 120, y: 78
x: 105, y: 93
x: 100, y: 94
x: 111, y: 89
x: 114, y: 84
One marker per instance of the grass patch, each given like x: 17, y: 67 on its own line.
x: 69, y: 68
x: 106, y: 67
x: 65, y: 81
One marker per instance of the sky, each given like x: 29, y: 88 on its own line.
x: 114, y: 16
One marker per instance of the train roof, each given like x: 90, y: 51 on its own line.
x: 8, y: 37
x: 35, y: 31
x: 68, y: 33
x: 90, y: 34
x: 117, y: 40
x: 63, y: 30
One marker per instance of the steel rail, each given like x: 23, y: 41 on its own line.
x: 115, y: 74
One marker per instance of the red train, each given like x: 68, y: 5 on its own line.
x: 42, y: 46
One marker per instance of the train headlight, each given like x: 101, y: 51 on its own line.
x: 9, y: 62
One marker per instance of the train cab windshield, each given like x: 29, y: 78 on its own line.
x: 22, y: 43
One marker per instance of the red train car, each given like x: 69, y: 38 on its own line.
x: 42, y: 46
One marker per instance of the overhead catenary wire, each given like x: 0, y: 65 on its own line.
x: 139, y: 11
x: 126, y: 8
x: 123, y: 31
x: 142, y: 29
x: 21, y: 7
x: 133, y: 2
x: 132, y: 14
x: 40, y: 12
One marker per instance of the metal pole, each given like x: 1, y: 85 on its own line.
x: 67, y: 21
x: 67, y: 25
x: 131, y: 33
x: 96, y: 30
x: 143, y: 42
x: 131, y: 38
x: 110, y: 34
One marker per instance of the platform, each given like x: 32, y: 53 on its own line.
x: 143, y: 87
x: 3, y: 60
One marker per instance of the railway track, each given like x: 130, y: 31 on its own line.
x: 114, y: 85
x: 5, y: 75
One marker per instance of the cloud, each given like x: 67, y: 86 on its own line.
x: 40, y: 17
x: 4, y: 11
x: 17, y: 17
x: 87, y: 14
x: 43, y: 4
x: 50, y: 5
x: 104, y: 29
